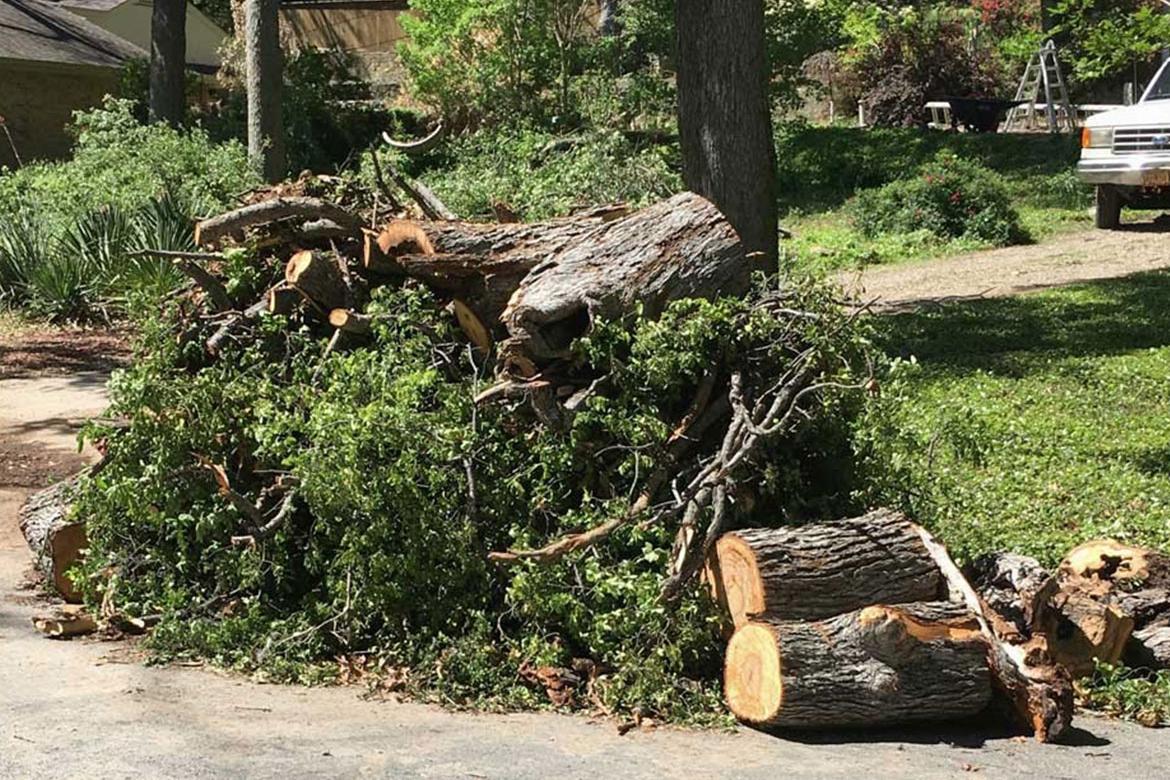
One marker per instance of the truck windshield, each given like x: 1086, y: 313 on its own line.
x: 1160, y: 86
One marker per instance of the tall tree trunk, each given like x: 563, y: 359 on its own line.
x: 723, y: 116
x: 1046, y: 19
x: 263, y: 65
x: 168, y: 58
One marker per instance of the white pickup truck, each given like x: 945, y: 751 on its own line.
x: 1126, y: 154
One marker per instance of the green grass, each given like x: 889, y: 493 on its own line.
x: 1030, y: 424
x: 821, y: 169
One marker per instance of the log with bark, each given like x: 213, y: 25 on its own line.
x: 679, y: 248
x: 825, y: 569
x: 57, y: 540
x: 286, y: 208
x: 881, y: 665
x: 317, y: 276
x: 1019, y: 590
x: 481, y: 264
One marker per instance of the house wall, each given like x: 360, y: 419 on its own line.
x: 131, y: 20
x: 37, y: 124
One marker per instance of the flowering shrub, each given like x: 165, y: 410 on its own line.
x: 951, y: 198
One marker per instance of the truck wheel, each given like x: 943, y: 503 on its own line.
x: 1108, y: 207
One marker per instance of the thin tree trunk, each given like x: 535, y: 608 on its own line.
x: 608, y: 18
x: 263, y: 74
x: 168, y: 58
x: 725, y: 125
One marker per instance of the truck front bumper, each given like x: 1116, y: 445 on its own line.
x: 1133, y: 171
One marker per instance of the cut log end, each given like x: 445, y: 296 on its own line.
x: 401, y: 237
x: 751, y: 677
x: 735, y: 578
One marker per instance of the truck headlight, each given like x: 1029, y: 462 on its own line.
x: 1096, y: 137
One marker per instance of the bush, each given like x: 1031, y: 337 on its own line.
x: 68, y: 229
x: 950, y: 197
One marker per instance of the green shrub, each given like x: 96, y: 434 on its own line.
x: 68, y: 230
x: 950, y: 197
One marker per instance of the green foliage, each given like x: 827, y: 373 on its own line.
x: 990, y: 423
x: 950, y: 198
x: 538, y: 174
x: 68, y: 229
x: 384, y: 552
x: 1131, y: 694
x: 1104, y: 38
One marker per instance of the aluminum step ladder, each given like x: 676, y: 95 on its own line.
x: 1043, y: 82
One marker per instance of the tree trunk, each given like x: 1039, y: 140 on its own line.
x: 679, y: 248
x: 168, y: 61
x: 55, y: 540
x: 607, y: 18
x: 481, y: 264
x: 1017, y: 588
x: 233, y: 223
x: 263, y: 66
x: 1149, y: 648
x: 818, y: 571
x: 881, y: 665
x: 724, y: 118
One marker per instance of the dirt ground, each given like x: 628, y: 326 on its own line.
x: 85, y: 708
x: 1076, y: 257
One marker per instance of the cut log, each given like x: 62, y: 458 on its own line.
x: 1137, y: 578
x: 57, y: 541
x: 1038, y: 691
x: 1149, y: 648
x: 350, y: 321
x: 1017, y: 588
x: 1085, y: 625
x: 282, y: 300
x: 214, y: 230
x: 318, y: 277
x: 679, y: 248
x: 882, y: 665
x: 816, y: 571
x: 476, y: 332
x: 480, y: 264
x: 65, y: 622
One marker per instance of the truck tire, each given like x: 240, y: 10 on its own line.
x: 1108, y: 207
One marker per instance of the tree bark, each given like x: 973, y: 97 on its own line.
x: 55, y: 539
x: 216, y: 229
x: 263, y: 73
x: 168, y: 61
x: 724, y: 118
x: 881, y: 665
x: 679, y: 248
x: 481, y: 264
x: 817, y: 571
x: 1017, y: 588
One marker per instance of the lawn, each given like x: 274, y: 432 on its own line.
x: 1033, y: 423
x: 822, y: 168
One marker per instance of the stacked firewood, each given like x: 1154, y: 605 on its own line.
x: 869, y: 622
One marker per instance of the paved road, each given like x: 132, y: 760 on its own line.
x: 87, y: 709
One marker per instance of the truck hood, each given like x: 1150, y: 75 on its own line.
x: 1155, y: 113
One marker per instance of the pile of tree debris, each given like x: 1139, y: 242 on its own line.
x: 861, y: 622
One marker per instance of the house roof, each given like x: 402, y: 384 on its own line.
x: 45, y: 32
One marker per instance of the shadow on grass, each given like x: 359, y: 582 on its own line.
x: 1006, y: 334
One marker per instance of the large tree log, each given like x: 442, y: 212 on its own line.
x: 1017, y: 588
x: 302, y: 209
x: 56, y: 540
x: 881, y: 665
x: 679, y: 248
x: 820, y: 570
x: 481, y: 264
